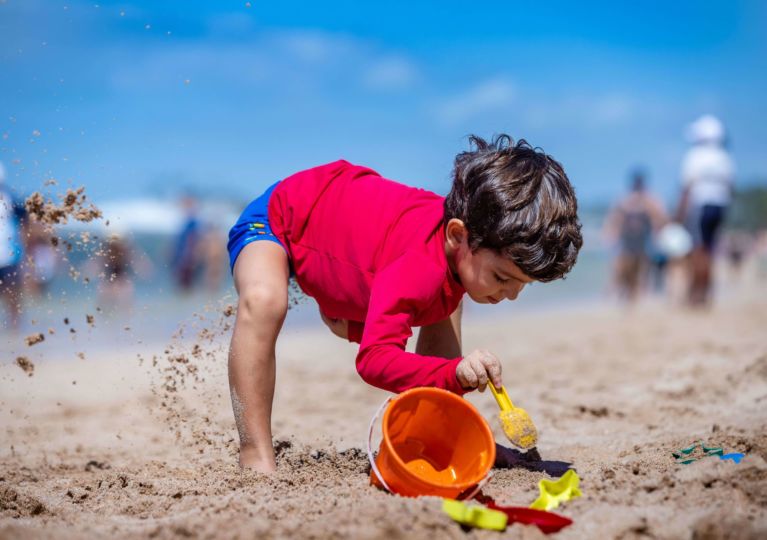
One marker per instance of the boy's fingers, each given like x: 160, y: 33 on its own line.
x: 492, y: 366
x: 481, y: 373
x: 463, y: 373
x: 494, y: 371
x: 470, y: 378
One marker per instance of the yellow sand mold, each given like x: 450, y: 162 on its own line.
x: 475, y: 515
x: 554, y: 493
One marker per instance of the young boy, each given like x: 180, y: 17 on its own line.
x: 381, y: 258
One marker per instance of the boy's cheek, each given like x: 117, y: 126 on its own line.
x: 471, y: 295
x: 479, y: 299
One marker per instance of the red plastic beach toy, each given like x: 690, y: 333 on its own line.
x: 547, y: 522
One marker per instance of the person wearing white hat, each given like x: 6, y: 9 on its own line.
x: 12, y: 215
x: 707, y: 175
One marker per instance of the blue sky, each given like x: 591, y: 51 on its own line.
x: 148, y: 97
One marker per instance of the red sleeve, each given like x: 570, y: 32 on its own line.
x: 410, y: 283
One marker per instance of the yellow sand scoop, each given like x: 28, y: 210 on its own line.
x: 516, y: 423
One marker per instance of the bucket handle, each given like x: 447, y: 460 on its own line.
x: 480, y: 485
x: 370, y: 445
x: 378, y: 474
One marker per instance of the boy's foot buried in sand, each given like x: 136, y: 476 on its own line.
x: 252, y: 459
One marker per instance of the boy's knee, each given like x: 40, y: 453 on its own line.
x: 259, y: 302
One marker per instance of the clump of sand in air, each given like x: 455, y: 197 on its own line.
x: 26, y: 365
x: 73, y: 204
x: 34, y: 339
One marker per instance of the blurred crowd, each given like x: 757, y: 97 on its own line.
x: 659, y: 248
x: 672, y: 250
x: 35, y: 259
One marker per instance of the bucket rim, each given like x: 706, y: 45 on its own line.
x: 450, y: 395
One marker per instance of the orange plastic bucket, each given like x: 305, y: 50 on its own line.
x: 434, y: 443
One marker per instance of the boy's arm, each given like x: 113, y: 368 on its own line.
x: 442, y: 339
x: 411, y: 283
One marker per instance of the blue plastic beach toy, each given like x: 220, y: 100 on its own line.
x: 733, y: 456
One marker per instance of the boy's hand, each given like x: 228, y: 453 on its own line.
x: 339, y: 327
x: 477, y: 368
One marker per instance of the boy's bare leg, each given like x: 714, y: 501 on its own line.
x: 261, y: 278
x: 442, y: 339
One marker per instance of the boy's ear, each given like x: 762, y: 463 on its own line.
x: 456, y: 233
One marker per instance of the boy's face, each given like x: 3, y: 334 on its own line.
x: 487, y: 277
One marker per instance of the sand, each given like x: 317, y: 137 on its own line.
x: 113, y: 446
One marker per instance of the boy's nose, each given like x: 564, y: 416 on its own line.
x: 513, y: 291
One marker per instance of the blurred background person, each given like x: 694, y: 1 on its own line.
x: 117, y: 263
x: 707, y: 183
x: 186, y: 259
x: 631, y: 225
x: 213, y: 256
x: 12, y: 220
x: 737, y: 245
x: 43, y: 260
x: 673, y: 245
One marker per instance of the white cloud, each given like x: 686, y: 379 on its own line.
x: 490, y: 95
x: 587, y: 111
x: 288, y: 59
x: 314, y: 47
x: 391, y: 73
x: 172, y: 66
x: 613, y: 109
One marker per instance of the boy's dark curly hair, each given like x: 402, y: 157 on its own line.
x: 517, y: 201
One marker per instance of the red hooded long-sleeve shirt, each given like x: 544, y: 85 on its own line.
x: 371, y: 251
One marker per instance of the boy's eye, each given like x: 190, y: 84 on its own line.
x: 499, y: 279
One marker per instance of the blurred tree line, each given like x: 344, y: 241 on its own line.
x: 749, y: 208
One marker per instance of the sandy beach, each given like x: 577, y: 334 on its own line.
x: 124, y: 445
x: 604, y: 166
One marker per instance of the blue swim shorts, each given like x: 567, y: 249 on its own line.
x: 253, y: 225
